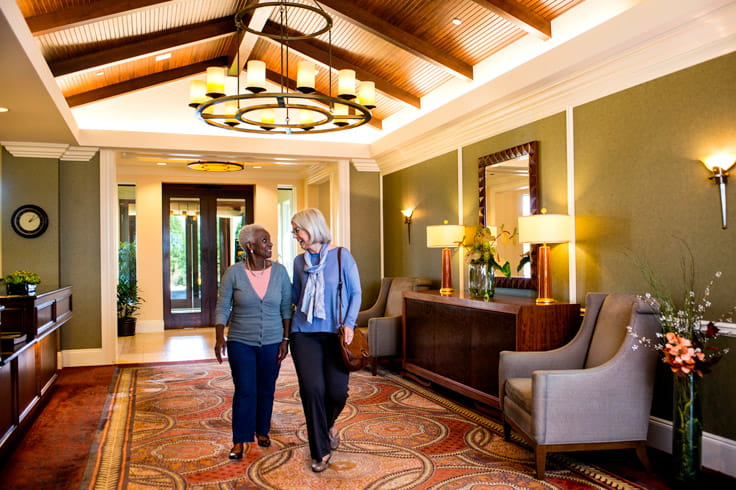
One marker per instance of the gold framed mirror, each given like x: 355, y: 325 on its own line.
x: 508, y: 188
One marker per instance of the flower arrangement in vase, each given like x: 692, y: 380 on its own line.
x: 22, y: 283
x: 684, y: 346
x: 482, y: 260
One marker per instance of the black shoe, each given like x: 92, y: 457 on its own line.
x: 237, y: 451
x: 263, y: 441
x: 320, y: 466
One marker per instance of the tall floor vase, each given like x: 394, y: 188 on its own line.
x: 687, y: 429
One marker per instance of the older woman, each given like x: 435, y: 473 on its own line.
x: 255, y: 295
x: 315, y: 347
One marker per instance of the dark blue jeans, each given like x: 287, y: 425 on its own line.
x: 254, y: 370
x: 323, y: 385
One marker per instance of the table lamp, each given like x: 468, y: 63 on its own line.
x: 544, y: 229
x: 445, y: 237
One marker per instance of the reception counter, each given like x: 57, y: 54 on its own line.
x: 29, y: 329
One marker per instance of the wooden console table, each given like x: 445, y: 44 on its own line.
x: 28, y: 361
x: 455, y: 341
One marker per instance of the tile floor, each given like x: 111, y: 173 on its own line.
x: 186, y: 344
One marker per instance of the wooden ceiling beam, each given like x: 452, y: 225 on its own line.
x: 196, y: 33
x: 275, y: 77
x: 399, y: 38
x: 312, y: 49
x: 520, y: 16
x: 143, y: 82
x: 83, y: 14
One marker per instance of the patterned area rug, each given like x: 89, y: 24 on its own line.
x: 168, y: 426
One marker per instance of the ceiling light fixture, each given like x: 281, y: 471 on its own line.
x: 457, y: 21
x: 164, y: 56
x: 219, y: 101
x: 215, y: 166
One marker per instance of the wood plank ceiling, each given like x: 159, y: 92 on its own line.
x: 106, y: 48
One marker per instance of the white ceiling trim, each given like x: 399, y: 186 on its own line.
x: 573, y: 74
x: 58, y: 151
x: 365, y: 165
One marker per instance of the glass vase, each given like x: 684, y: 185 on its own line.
x: 687, y: 429
x: 480, y: 280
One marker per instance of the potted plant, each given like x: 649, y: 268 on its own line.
x: 128, y: 299
x: 22, y: 283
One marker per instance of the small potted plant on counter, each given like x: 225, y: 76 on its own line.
x: 22, y: 283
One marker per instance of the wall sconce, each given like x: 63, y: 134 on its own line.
x: 544, y: 229
x: 408, y: 213
x: 445, y: 237
x: 719, y: 165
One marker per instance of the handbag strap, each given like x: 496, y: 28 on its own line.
x: 339, y: 285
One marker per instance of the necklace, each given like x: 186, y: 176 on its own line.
x: 255, y: 273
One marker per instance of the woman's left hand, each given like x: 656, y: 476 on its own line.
x: 348, y: 334
x: 283, y: 350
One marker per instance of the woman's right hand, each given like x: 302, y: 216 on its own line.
x: 220, y: 348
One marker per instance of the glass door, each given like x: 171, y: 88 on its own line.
x: 200, y: 241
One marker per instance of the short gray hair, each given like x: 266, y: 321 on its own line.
x: 247, y: 233
x: 313, y: 222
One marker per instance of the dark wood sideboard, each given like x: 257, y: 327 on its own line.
x: 455, y: 341
x: 28, y: 362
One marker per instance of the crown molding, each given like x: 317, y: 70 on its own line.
x: 586, y: 68
x: 365, y: 165
x: 57, y: 151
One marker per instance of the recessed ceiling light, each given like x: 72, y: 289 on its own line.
x: 164, y: 56
x: 257, y: 166
x: 162, y: 164
x: 3, y: 109
x: 457, y: 21
x: 100, y: 73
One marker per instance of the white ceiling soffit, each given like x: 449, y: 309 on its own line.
x: 49, y: 150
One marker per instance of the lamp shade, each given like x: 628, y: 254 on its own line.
x: 442, y: 236
x: 544, y: 228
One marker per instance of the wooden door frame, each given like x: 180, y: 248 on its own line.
x: 208, y: 194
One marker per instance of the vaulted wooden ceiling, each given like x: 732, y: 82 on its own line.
x: 409, y: 48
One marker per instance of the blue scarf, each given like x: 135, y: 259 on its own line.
x: 313, y: 301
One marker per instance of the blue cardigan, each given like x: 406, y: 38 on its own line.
x: 351, y: 294
x: 254, y: 321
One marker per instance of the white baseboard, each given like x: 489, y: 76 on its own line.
x: 85, y: 357
x: 719, y: 453
x: 149, y: 326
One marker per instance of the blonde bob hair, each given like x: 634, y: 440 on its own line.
x: 313, y: 222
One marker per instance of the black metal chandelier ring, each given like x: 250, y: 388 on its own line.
x: 283, y: 101
x: 242, y: 16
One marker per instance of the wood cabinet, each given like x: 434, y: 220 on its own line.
x: 28, y: 368
x: 455, y: 341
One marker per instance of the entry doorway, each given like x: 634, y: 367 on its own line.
x: 200, y: 241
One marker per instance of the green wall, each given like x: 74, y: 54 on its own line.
x: 365, y: 229
x: 638, y: 188
x: 31, y: 181
x: 68, y: 254
x: 431, y: 189
x: 79, y: 252
x: 552, y: 187
x: 641, y: 192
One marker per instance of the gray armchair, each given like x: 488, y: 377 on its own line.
x: 593, y: 393
x: 381, y: 323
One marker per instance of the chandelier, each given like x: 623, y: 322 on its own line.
x: 220, y: 102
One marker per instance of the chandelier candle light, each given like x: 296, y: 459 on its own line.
x: 219, y: 101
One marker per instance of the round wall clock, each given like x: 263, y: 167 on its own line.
x: 29, y: 221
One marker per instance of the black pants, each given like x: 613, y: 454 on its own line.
x: 323, y: 385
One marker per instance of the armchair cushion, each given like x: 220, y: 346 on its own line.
x: 519, y: 390
x: 394, y: 303
x: 608, y: 335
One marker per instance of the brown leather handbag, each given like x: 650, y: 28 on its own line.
x: 355, y: 354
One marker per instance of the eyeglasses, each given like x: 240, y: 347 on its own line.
x: 296, y: 230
